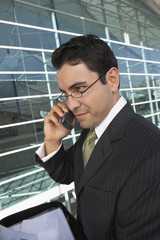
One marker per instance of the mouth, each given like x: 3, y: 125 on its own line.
x: 80, y: 115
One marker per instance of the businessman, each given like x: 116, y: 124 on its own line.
x: 115, y: 164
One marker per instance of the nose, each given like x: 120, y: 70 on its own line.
x: 73, y: 103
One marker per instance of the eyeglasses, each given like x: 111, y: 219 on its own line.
x: 76, y: 94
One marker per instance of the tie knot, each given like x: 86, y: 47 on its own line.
x: 91, y: 135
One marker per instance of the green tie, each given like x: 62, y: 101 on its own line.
x: 88, y: 145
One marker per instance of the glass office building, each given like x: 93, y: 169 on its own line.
x: 29, y: 32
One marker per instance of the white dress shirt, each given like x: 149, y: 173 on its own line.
x: 108, y: 119
x: 99, y: 129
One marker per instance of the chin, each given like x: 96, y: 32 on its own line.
x: 84, y: 125
x: 87, y: 124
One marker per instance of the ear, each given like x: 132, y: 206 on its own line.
x: 113, y: 79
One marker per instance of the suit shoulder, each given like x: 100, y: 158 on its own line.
x: 144, y: 132
x: 146, y: 124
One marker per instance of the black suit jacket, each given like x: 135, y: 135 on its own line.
x: 118, y: 193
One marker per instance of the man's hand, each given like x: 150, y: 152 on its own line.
x: 53, y: 129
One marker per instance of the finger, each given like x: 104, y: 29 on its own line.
x: 56, y: 109
x: 63, y: 107
x: 53, y: 117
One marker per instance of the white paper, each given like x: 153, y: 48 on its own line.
x: 48, y: 226
x: 9, y: 234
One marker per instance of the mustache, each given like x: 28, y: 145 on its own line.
x: 79, y: 111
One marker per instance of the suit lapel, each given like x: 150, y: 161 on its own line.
x: 120, y: 122
x: 101, y: 151
x: 103, y: 148
x: 78, y: 165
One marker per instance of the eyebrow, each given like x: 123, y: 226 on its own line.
x: 73, y: 85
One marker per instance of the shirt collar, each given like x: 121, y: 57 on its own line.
x: 111, y: 115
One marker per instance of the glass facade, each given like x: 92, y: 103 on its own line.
x: 30, y: 31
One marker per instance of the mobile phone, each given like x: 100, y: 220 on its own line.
x: 67, y: 120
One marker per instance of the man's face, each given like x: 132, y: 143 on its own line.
x: 94, y: 105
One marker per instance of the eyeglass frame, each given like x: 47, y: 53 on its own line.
x: 70, y: 95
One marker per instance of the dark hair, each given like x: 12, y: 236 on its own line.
x: 89, y: 49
